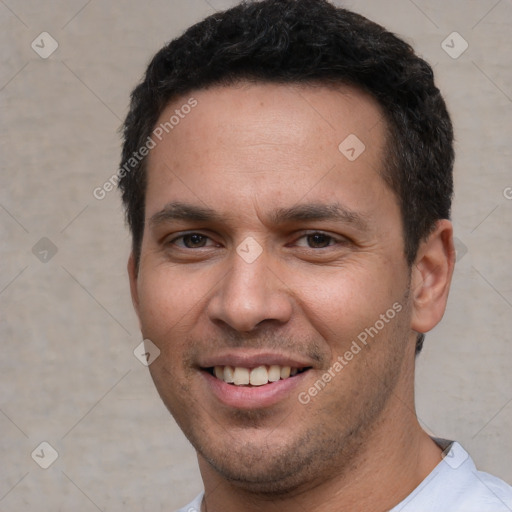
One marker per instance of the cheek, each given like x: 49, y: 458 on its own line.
x: 170, y: 303
x: 341, y: 302
x: 170, y: 299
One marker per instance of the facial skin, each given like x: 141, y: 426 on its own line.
x: 247, y: 155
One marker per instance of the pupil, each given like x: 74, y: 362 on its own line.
x: 194, y: 240
x: 318, y: 240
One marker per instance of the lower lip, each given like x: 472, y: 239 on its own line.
x: 253, y: 397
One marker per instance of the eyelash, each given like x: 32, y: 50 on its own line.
x: 330, y: 238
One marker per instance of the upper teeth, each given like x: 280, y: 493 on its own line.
x: 256, y: 376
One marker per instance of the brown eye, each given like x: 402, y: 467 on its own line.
x: 194, y: 240
x: 318, y: 240
x: 190, y: 241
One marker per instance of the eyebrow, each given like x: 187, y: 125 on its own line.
x: 185, y: 212
x: 320, y: 211
x: 180, y: 211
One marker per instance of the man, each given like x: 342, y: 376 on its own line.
x: 287, y: 178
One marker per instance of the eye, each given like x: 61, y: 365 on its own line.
x: 316, y: 240
x: 191, y: 241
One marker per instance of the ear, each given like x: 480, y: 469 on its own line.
x: 431, y: 277
x: 133, y: 276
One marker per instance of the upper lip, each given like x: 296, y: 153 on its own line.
x: 253, y: 359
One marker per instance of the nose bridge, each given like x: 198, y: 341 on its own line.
x: 250, y: 293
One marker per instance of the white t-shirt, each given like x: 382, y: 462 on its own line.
x: 454, y: 485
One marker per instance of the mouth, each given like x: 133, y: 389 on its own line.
x: 251, y: 379
x: 254, y: 377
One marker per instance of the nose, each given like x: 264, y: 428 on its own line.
x: 249, y: 295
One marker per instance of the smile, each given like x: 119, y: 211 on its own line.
x: 258, y: 376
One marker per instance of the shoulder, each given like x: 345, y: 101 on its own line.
x: 489, y: 491
x: 476, y: 489
x: 455, y: 485
x: 193, y: 506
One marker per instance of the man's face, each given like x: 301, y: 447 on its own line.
x: 267, y: 245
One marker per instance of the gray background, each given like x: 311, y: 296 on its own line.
x: 68, y: 375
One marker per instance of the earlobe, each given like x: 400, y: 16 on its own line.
x: 133, y: 276
x: 431, y: 277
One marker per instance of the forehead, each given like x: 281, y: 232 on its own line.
x: 275, y: 141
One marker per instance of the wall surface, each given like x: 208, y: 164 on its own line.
x: 68, y: 376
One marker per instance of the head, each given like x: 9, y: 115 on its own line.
x: 262, y: 42
x: 257, y: 238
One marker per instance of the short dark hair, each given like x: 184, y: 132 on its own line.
x: 306, y: 42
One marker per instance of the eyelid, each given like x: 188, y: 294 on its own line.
x: 339, y: 239
x: 171, y: 239
x: 336, y: 238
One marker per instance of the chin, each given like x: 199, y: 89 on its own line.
x: 284, y: 467
x: 269, y: 475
